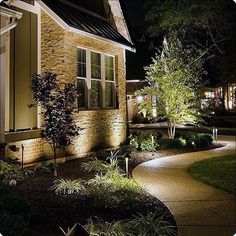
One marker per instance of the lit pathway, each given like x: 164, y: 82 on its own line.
x: 199, y: 210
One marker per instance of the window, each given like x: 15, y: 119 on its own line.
x: 95, y: 80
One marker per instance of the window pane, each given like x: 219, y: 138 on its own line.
x: 95, y: 93
x: 109, y: 94
x: 81, y: 87
x: 81, y: 63
x: 109, y: 68
x: 95, y: 65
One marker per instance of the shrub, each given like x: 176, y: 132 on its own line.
x: 67, y: 186
x: 102, y: 228
x: 170, y: 143
x: 133, y: 143
x: 46, y: 166
x: 116, y: 186
x: 147, y: 145
x: 150, y: 224
x: 10, y: 171
x: 14, y: 212
x: 203, y: 140
x: 95, y: 165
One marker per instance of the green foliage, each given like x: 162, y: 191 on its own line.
x: 133, y: 143
x: 58, y: 103
x: 170, y: 143
x: 95, y: 165
x: 9, y: 172
x: 101, y: 228
x: 197, y: 140
x: 14, y: 212
x: 66, y: 186
x: 174, y: 76
x: 147, y: 145
x: 203, y: 23
x: 120, y: 190
x: 48, y: 166
x: 150, y: 224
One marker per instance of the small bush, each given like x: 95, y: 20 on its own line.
x: 203, y: 140
x: 170, y: 143
x: 10, y: 171
x: 101, y: 228
x: 120, y: 190
x: 96, y: 165
x: 147, y: 145
x: 150, y: 224
x: 14, y: 212
x: 67, y: 186
x: 133, y: 143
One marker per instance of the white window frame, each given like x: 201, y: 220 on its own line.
x: 89, y: 79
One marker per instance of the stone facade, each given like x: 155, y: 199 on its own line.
x: 103, y: 128
x: 100, y: 128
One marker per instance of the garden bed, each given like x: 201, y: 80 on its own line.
x: 51, y: 211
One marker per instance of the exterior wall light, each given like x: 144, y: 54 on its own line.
x: 154, y: 112
x: 139, y: 98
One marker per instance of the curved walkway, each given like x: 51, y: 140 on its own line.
x: 199, y: 209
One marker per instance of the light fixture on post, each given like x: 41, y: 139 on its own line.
x: 127, y: 166
x: 139, y: 98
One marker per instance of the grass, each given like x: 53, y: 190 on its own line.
x: 219, y: 172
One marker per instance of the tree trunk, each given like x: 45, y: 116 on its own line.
x: 55, y: 159
x: 171, y: 130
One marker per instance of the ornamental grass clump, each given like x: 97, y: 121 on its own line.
x: 66, y: 186
x: 148, y: 224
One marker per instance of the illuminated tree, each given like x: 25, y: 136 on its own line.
x: 174, y: 77
x: 58, y: 106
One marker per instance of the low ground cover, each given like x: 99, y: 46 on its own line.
x: 219, y: 172
x: 96, y: 194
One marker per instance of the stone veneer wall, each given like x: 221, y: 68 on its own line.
x: 100, y: 128
x: 33, y: 150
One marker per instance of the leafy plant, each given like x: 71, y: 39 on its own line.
x: 10, y: 171
x: 147, y: 145
x: 67, y: 186
x: 150, y: 224
x: 133, y: 143
x: 58, y: 103
x: 101, y: 228
x: 95, y: 165
x: 174, y: 75
x: 170, y: 143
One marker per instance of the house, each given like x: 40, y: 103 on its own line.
x: 83, y: 42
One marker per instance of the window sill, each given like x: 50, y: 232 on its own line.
x: 98, y: 109
x: 22, y: 135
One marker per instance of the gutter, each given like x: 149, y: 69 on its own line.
x: 13, y: 15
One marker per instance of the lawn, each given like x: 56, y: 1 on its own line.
x: 219, y: 172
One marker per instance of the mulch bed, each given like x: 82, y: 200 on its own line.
x: 50, y: 210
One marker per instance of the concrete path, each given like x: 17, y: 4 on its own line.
x: 199, y: 210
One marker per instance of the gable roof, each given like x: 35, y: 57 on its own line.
x: 84, y: 21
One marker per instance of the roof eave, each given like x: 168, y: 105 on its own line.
x: 65, y: 26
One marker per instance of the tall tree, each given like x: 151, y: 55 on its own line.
x: 174, y: 77
x: 206, y: 23
x: 58, y: 107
